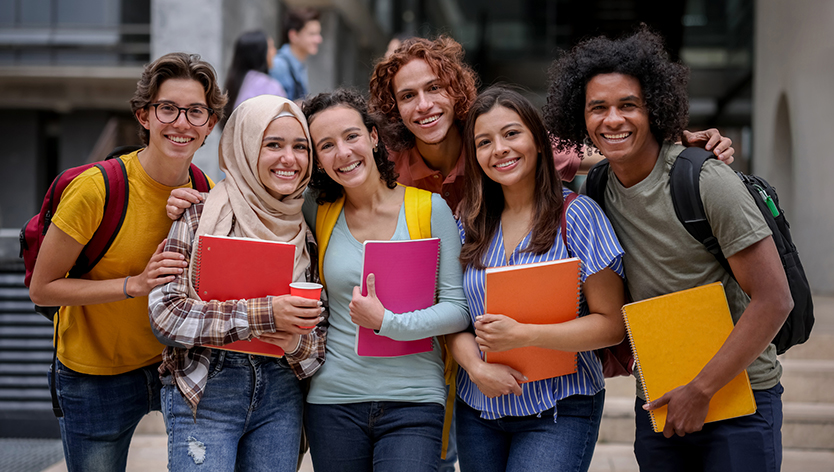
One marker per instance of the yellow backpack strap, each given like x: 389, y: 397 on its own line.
x: 418, y: 219
x: 326, y: 217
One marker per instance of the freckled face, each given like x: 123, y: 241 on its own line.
x: 284, y: 156
x: 344, y: 146
x: 505, y: 148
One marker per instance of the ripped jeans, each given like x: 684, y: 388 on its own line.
x: 249, y: 418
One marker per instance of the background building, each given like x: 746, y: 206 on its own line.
x: 761, y: 72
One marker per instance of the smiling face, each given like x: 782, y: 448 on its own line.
x: 306, y: 40
x: 344, y: 146
x: 424, y: 105
x: 180, y: 139
x: 284, y: 156
x: 505, y: 147
x: 618, y: 121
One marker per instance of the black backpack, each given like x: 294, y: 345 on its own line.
x: 686, y: 198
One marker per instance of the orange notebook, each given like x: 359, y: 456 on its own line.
x: 538, y: 293
x: 673, y: 336
x: 228, y: 268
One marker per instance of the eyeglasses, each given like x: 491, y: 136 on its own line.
x: 197, y: 115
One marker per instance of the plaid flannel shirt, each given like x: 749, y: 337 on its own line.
x: 185, y: 324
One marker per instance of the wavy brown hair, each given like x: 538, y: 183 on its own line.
x: 329, y: 190
x: 483, y: 200
x: 176, y: 65
x: 641, y: 56
x: 445, y: 57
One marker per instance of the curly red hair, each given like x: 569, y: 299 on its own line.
x: 445, y: 57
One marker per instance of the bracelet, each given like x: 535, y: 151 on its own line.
x: 124, y: 289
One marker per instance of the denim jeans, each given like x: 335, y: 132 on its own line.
x: 535, y: 442
x: 100, y: 414
x: 375, y: 436
x: 248, y: 419
x: 748, y: 443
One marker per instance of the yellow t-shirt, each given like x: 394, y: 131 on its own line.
x: 113, y: 338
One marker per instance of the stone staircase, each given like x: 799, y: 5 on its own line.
x: 25, y: 357
x: 808, y: 401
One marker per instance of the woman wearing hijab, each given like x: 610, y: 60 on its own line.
x: 225, y: 410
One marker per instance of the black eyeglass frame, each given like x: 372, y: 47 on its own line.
x: 179, y: 112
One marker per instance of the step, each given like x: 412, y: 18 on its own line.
x: 26, y: 331
x: 11, y: 279
x: 23, y: 319
x: 25, y: 394
x: 805, y: 425
x: 22, y: 369
x: 14, y: 293
x: 17, y: 306
x: 26, y: 344
x: 29, y: 357
x: 808, y: 380
x: 36, y: 381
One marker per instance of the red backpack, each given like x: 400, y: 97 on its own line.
x: 115, y: 206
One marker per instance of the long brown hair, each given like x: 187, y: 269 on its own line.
x: 483, y: 200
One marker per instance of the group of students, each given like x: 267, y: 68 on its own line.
x: 339, y: 171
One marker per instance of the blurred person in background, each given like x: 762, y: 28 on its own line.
x: 301, y: 38
x: 249, y: 73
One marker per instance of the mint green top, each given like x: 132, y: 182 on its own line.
x: 348, y: 378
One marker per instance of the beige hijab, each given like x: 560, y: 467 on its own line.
x: 241, y: 198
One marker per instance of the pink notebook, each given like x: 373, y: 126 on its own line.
x: 406, y: 280
x: 230, y: 268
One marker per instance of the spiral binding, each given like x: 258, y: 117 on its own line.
x: 638, y: 369
x: 580, y: 270
x: 196, y: 263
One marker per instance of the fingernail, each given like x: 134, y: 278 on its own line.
x: 320, y: 303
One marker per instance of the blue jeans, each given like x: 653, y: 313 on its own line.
x: 375, y: 436
x: 100, y: 414
x: 535, y: 442
x: 249, y: 418
x: 748, y: 443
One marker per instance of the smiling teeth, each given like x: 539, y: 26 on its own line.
x: 428, y: 120
x: 616, y: 136
x: 284, y: 173
x: 506, y: 164
x: 349, y: 168
x: 177, y: 139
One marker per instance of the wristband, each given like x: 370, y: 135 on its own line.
x: 124, y: 289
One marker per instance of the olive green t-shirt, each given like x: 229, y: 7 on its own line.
x: 662, y: 257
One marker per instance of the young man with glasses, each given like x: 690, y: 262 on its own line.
x: 108, y: 356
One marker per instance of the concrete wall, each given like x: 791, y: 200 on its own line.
x: 19, y: 191
x: 792, y: 122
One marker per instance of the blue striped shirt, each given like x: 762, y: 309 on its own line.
x: 591, y: 239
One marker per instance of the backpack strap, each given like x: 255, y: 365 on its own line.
x: 685, y: 187
x: 199, y: 179
x: 326, y: 217
x: 595, y: 183
x: 116, y: 189
x: 417, y: 212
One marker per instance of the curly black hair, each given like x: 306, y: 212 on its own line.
x: 641, y: 56
x: 329, y: 190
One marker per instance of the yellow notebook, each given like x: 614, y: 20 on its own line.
x: 673, y: 337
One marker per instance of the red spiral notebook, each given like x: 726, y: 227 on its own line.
x: 405, y: 274
x: 538, y: 293
x: 228, y: 268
